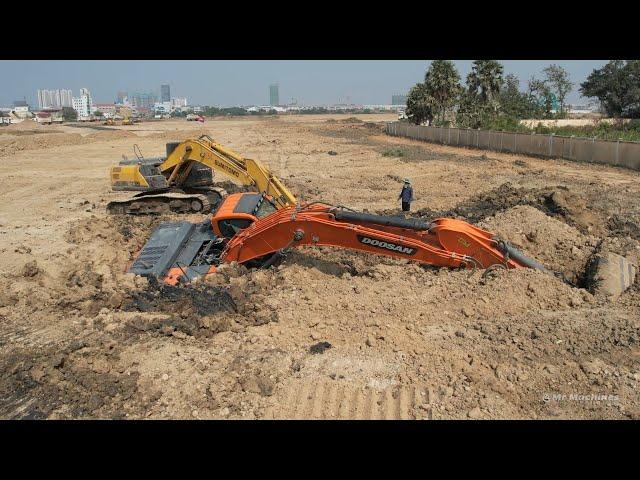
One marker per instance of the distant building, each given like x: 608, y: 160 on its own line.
x: 179, y: 102
x: 124, y: 111
x: 383, y: 107
x: 584, y: 109
x: 55, y: 115
x: 163, y: 107
x: 265, y: 108
x: 165, y: 93
x: 20, y: 103
x: 274, y: 95
x: 108, y: 109
x: 398, y: 99
x: 83, y: 104
x: 54, y: 98
x: 21, y: 111
x: 43, y: 117
x: 121, y: 97
x: 143, y: 100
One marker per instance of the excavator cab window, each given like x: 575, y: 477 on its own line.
x: 231, y: 226
x: 265, y: 207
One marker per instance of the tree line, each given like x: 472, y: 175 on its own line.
x: 492, y: 100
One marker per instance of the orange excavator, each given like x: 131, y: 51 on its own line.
x: 247, y: 228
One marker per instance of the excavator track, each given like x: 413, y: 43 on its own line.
x: 169, y: 202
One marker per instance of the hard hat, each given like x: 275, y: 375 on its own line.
x: 406, y: 180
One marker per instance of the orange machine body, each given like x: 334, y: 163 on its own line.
x: 260, y: 234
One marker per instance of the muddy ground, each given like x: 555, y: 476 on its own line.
x: 327, y: 333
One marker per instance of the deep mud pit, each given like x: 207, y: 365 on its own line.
x: 327, y: 333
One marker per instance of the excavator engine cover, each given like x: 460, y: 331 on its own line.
x: 193, y: 248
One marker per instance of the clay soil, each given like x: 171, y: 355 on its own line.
x: 327, y: 333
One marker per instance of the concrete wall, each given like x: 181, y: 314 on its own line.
x: 619, y: 153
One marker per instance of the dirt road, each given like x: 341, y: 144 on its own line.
x: 328, y: 333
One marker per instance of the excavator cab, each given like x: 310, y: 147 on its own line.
x: 238, y: 211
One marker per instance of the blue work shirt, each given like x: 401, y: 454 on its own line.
x: 407, y: 194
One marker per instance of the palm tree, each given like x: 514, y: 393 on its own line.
x: 442, y: 82
x: 485, y: 80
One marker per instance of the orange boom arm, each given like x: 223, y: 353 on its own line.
x: 445, y: 242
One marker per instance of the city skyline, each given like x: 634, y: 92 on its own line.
x: 247, y: 82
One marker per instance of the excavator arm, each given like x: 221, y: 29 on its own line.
x: 220, y: 159
x: 445, y: 242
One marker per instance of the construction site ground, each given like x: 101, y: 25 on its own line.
x: 327, y: 333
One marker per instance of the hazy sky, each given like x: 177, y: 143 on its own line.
x: 243, y: 82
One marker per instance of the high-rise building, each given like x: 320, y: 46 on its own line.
x: 121, y: 97
x: 398, y: 99
x: 274, y: 96
x: 83, y: 104
x: 165, y: 93
x: 143, y: 100
x: 54, y: 98
x: 179, y: 102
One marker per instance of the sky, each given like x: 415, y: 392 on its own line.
x: 244, y: 82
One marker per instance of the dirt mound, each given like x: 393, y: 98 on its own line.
x: 26, y: 126
x: 304, y: 190
x: 570, y: 206
x: 111, y: 135
x: 553, y: 243
x: 620, y: 225
x: 351, y: 120
x: 180, y: 135
x: 189, y: 304
x: 79, y: 381
x: 504, y: 197
x: 39, y: 142
x: 81, y: 338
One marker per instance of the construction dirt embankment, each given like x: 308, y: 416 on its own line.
x: 327, y: 333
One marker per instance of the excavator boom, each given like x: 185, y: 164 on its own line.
x: 445, y: 242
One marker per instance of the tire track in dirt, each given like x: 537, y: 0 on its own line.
x: 313, y: 399
x: 24, y: 336
x: 15, y: 406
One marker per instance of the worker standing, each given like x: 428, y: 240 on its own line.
x: 406, y: 195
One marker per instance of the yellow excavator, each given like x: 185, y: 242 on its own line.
x: 182, y: 182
